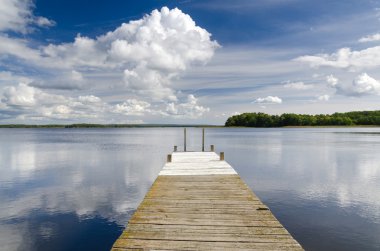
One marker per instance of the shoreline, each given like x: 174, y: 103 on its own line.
x: 78, y: 126
x: 112, y: 126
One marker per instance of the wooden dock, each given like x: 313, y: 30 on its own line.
x: 199, y: 202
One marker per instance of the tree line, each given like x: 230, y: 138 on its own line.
x: 291, y: 119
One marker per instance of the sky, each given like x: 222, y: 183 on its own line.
x: 186, y: 61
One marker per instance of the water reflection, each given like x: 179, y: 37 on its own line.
x: 54, y: 181
x: 325, y: 187
x: 62, y: 188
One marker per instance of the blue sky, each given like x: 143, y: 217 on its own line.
x: 187, y: 61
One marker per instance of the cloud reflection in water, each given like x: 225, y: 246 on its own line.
x: 72, y: 186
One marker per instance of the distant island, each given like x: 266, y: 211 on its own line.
x: 357, y: 118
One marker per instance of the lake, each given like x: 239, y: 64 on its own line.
x: 75, y: 189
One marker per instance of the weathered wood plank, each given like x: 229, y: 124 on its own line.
x: 209, y: 229
x: 202, y: 245
x: 167, y: 202
x: 205, y: 211
x: 194, y: 236
x: 142, y: 214
x: 200, y: 203
x: 203, y: 222
x: 214, y: 201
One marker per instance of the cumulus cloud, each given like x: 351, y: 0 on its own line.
x: 14, y: 15
x: 164, y: 43
x: 268, y: 100
x: 23, y: 95
x: 323, y: 97
x: 298, y: 85
x: 345, y: 58
x: 83, y: 52
x: 27, y: 102
x: 331, y: 80
x: 362, y: 85
x: 89, y: 99
x: 132, y: 107
x: 43, y: 22
x: 370, y: 38
x: 66, y: 80
x: 149, y: 52
x: 189, y: 109
x: 144, y: 57
x: 18, y: 48
x: 149, y: 83
x: 17, y: 16
x: 7, y: 77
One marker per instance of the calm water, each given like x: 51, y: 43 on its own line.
x: 75, y: 189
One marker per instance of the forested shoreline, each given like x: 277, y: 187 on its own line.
x: 291, y: 119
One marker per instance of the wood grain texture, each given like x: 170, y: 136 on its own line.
x: 200, y: 203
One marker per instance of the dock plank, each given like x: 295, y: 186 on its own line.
x: 200, y: 203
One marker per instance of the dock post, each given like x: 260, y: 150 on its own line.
x: 184, y: 139
x: 221, y: 155
x: 175, y: 148
x: 169, y: 158
x: 212, y: 148
x: 203, y: 139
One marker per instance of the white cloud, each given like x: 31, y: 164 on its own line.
x: 268, y: 100
x: 149, y: 52
x: 18, y: 48
x: 298, y: 85
x: 66, y: 80
x: 76, y: 76
x: 83, y: 52
x: 362, y: 85
x: 370, y: 38
x: 345, y: 58
x: 149, y: 83
x: 331, y: 80
x: 14, y: 15
x: 145, y: 58
x: 43, y: 22
x: 23, y: 95
x: 132, y: 107
x: 8, y: 77
x: 17, y: 16
x: 323, y: 97
x: 28, y: 102
x: 89, y: 99
x: 189, y: 109
x: 62, y: 109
